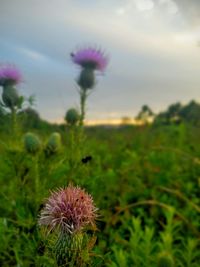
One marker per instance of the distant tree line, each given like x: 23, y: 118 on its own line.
x: 28, y: 118
x: 145, y: 115
x: 177, y: 113
x: 174, y: 114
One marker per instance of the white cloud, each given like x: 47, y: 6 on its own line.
x: 32, y: 54
x: 120, y: 11
x: 144, y: 5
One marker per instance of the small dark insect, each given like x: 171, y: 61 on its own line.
x: 86, y: 159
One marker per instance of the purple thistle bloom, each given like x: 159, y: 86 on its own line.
x: 69, y: 209
x: 9, y: 74
x: 91, y: 58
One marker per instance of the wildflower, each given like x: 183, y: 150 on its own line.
x: 9, y: 75
x: 70, y: 210
x: 90, y: 58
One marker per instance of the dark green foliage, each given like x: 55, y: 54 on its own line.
x: 30, y: 118
x: 165, y: 260
x: 145, y: 114
x: 191, y: 113
x: 177, y: 113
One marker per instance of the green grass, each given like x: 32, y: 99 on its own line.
x: 145, y: 182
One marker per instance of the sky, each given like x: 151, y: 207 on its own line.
x: 153, y: 48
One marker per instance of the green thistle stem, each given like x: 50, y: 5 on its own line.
x: 81, y: 135
x: 13, y: 121
x: 72, y: 146
x: 36, y: 175
x: 83, y: 97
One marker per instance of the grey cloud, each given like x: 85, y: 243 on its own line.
x: 191, y: 10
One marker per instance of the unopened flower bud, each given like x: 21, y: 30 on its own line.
x: 72, y: 116
x: 10, y: 96
x: 32, y: 143
x: 54, y: 143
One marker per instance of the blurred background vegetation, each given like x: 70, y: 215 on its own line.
x: 145, y: 180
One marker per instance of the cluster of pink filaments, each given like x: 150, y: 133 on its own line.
x: 90, y: 57
x: 69, y: 209
x: 9, y: 74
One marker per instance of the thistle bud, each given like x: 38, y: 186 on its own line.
x: 10, y: 96
x: 54, y: 143
x: 72, y: 116
x: 68, y: 249
x: 165, y: 260
x: 32, y: 143
x: 86, y: 79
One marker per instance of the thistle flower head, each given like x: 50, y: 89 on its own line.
x: 90, y: 58
x: 9, y: 75
x: 69, y: 209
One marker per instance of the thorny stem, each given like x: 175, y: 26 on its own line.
x: 81, y: 136
x: 83, y: 96
x: 13, y: 121
x: 73, y: 153
x: 36, y: 174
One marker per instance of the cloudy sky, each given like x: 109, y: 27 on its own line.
x: 153, y: 45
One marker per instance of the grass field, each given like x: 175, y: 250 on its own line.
x: 144, y: 180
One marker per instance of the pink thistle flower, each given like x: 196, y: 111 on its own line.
x: 91, y: 58
x: 9, y: 74
x: 69, y: 209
